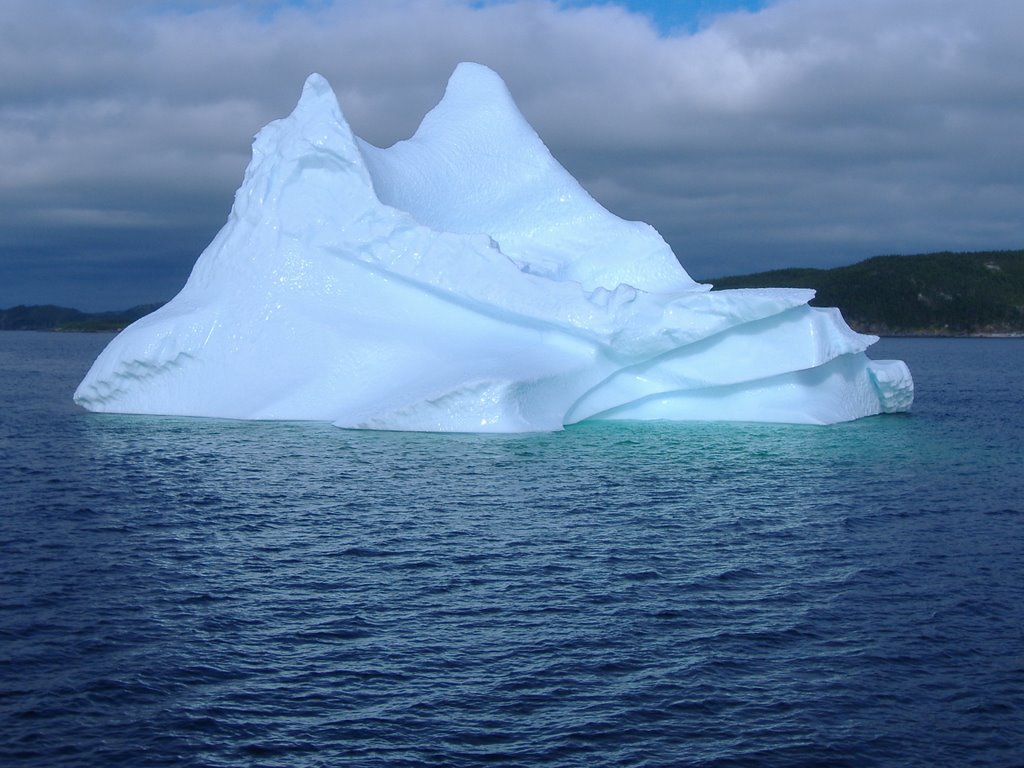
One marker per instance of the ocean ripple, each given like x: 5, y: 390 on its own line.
x: 210, y: 593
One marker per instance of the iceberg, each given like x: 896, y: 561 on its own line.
x: 463, y: 280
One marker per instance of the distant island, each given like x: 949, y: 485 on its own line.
x: 935, y: 294
x: 47, y: 317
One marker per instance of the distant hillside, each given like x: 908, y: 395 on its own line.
x: 51, y: 318
x: 957, y: 294
x: 934, y: 294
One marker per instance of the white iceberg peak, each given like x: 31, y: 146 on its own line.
x: 464, y: 280
x: 475, y: 165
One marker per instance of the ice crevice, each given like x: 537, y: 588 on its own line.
x: 463, y: 280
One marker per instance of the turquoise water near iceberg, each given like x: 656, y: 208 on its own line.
x: 215, y: 593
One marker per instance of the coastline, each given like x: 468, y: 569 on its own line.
x: 938, y: 334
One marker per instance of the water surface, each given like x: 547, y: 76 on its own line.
x: 216, y: 593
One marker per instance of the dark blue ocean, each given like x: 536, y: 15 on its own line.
x: 189, y: 592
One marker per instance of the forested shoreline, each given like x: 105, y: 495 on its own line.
x: 937, y: 294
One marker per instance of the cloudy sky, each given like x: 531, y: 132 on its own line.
x: 754, y: 134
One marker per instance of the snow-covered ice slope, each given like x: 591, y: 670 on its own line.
x: 463, y: 280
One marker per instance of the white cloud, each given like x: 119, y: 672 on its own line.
x: 812, y: 132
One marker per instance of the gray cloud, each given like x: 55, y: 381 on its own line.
x: 813, y: 132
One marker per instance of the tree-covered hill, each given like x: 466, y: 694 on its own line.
x: 932, y: 294
x: 50, y: 318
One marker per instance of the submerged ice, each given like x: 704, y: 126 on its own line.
x: 463, y: 280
